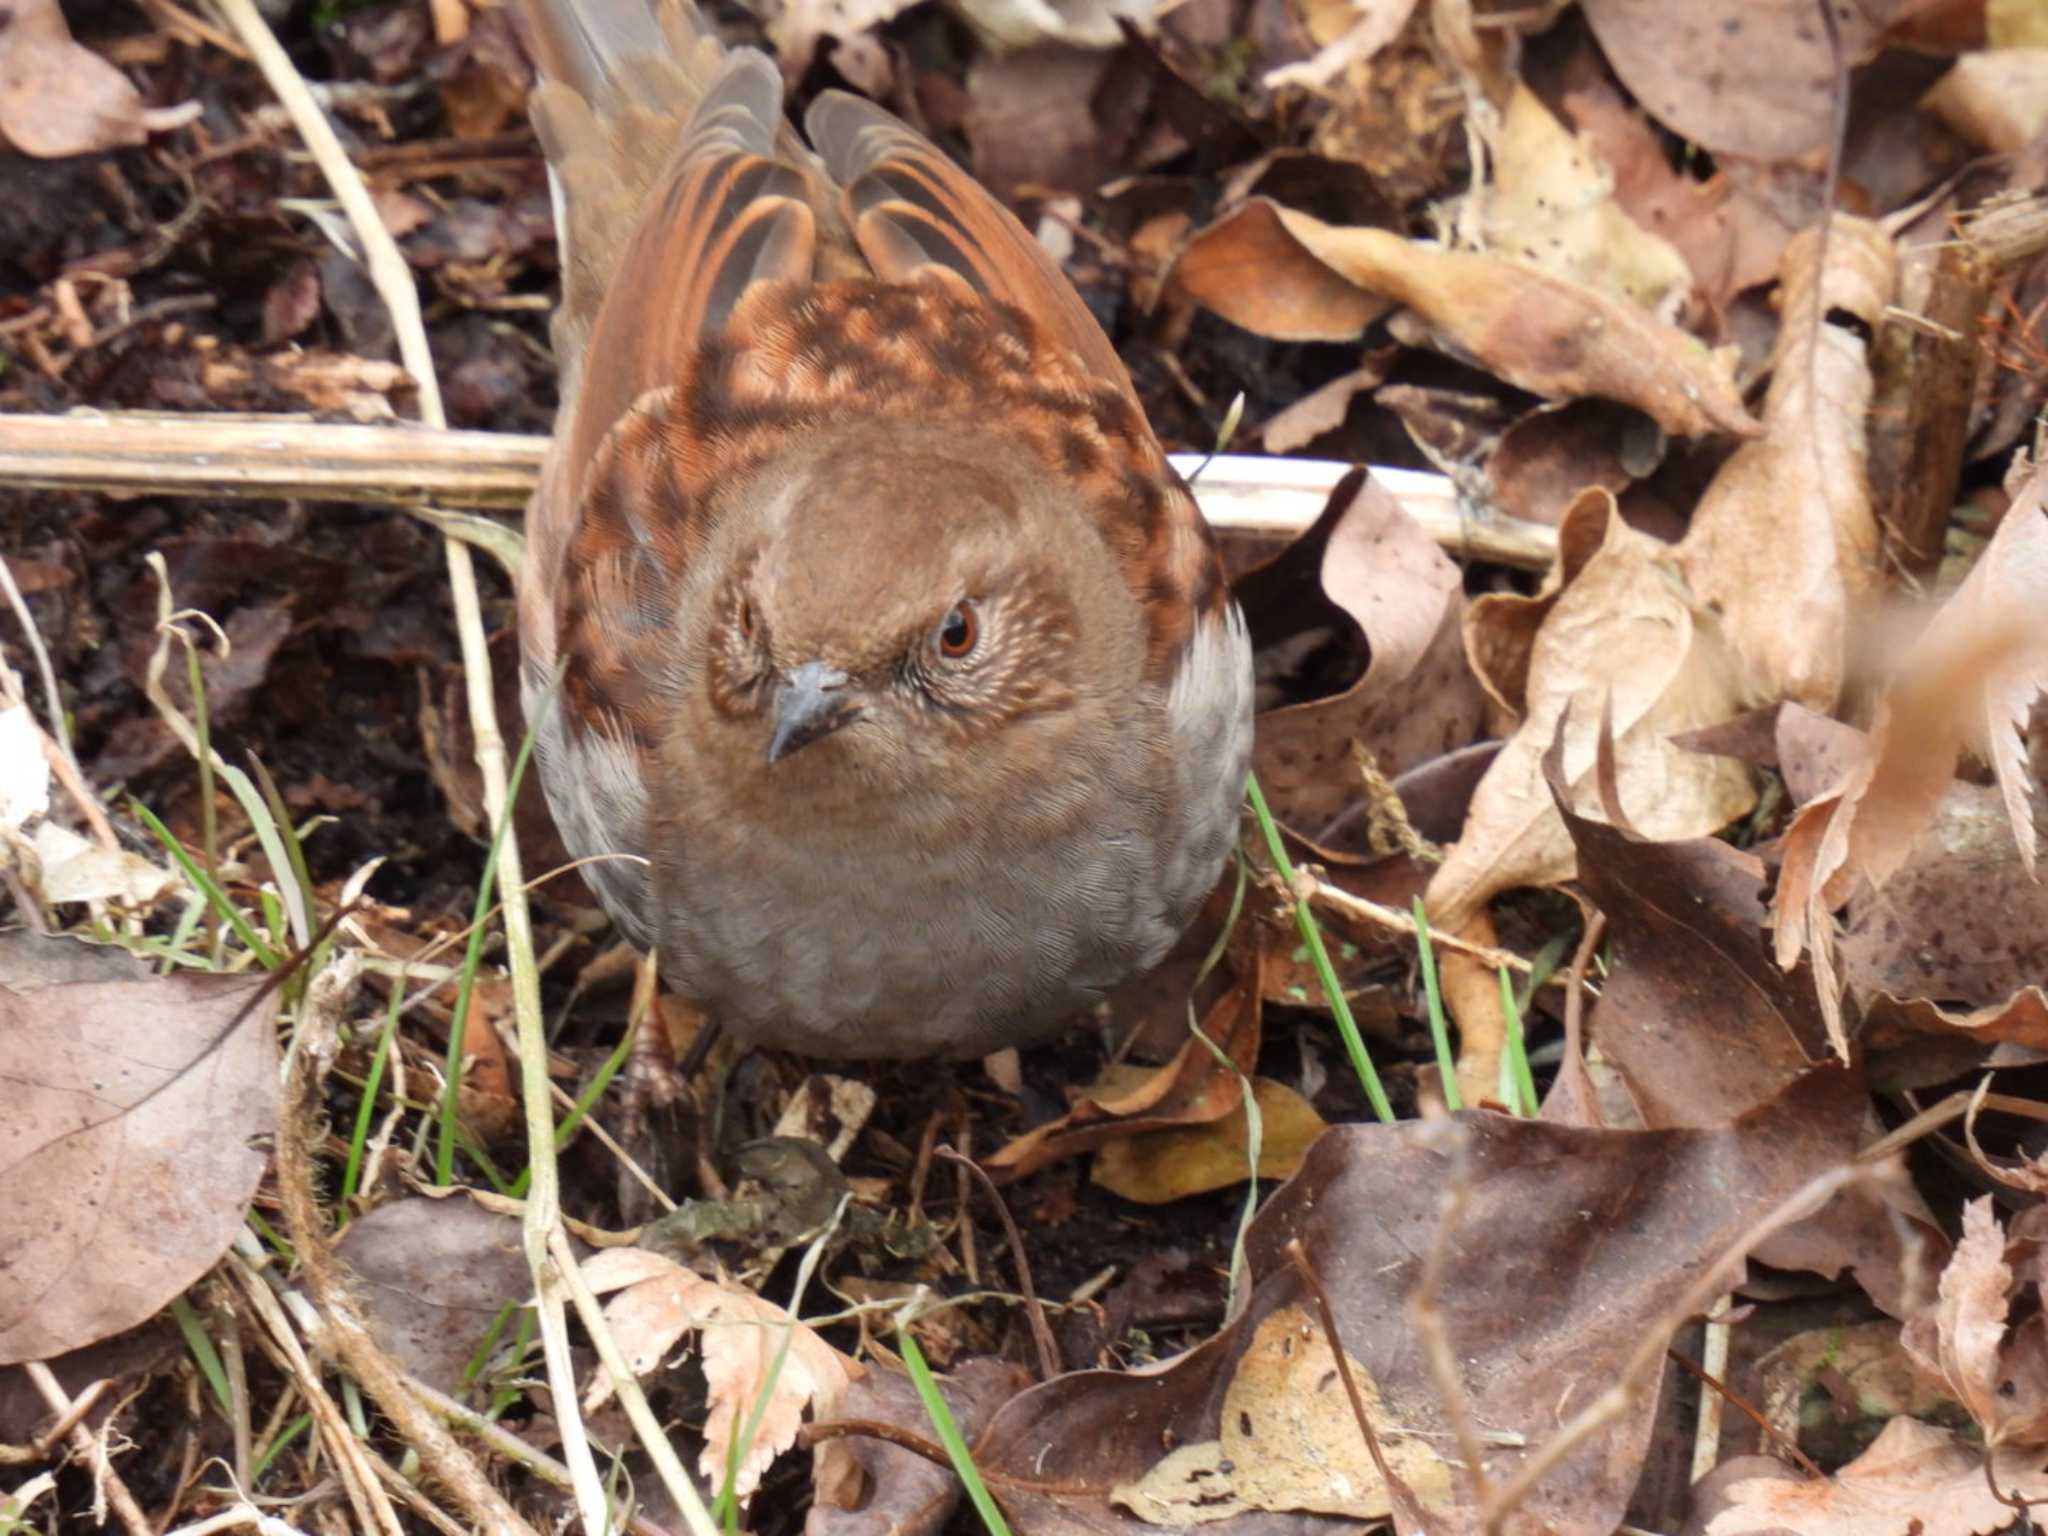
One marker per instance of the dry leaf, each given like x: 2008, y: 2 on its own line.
x: 1289, y: 1441
x: 1271, y: 269
x: 1746, y: 77
x: 740, y: 1336
x: 1784, y: 543
x: 1964, y: 1342
x: 1996, y: 100
x: 132, y: 1111
x: 1978, y: 667
x: 1192, y: 1089
x: 1156, y: 1167
x: 1613, y: 630
x: 57, y: 98
x: 1416, y: 700
x: 1250, y: 269
x: 1549, y: 202
x: 1913, y: 1478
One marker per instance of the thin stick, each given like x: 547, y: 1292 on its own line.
x: 1298, y: 1257
x: 393, y: 280
x: 1041, y: 1331
x: 139, y: 453
x: 1338, y: 899
x: 91, y: 1450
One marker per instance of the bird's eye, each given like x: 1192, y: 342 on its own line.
x: 746, y: 617
x: 958, y: 632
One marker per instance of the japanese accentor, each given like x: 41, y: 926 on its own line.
x: 882, y: 630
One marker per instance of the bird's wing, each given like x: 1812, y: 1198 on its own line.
x: 915, y: 214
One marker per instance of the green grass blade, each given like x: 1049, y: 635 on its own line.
x: 1312, y: 936
x: 1439, y: 1024
x: 204, y: 883
x: 204, y: 1355
x: 948, y: 1430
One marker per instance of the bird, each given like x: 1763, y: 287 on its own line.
x: 873, y: 651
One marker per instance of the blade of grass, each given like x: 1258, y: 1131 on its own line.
x: 948, y: 1431
x: 1518, y: 1083
x: 1439, y: 1025
x: 278, y: 1447
x: 472, y: 957
x: 203, y: 883
x: 209, y: 829
x: 1312, y: 935
x: 366, y: 1107
x: 592, y: 1092
x: 204, y: 1355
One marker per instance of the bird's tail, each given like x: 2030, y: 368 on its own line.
x: 618, y: 80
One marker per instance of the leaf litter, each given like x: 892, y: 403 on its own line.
x: 1792, y: 766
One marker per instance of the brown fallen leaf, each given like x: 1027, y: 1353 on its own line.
x: 898, y: 1492
x: 1970, y: 685
x: 1913, y: 1478
x: 132, y: 1111
x: 1158, y: 1167
x: 1747, y: 77
x: 1701, y: 1026
x: 434, y: 1277
x: 1962, y: 922
x: 1288, y: 1439
x: 740, y: 1336
x: 1249, y: 268
x: 1612, y: 630
x: 1634, y: 1218
x: 1540, y: 333
x: 57, y: 98
x: 1416, y: 700
x: 1993, y: 1363
x: 1191, y: 1089
x: 1549, y: 201
x: 1784, y: 543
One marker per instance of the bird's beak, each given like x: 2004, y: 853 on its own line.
x: 813, y: 703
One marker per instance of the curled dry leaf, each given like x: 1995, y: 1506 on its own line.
x: 1250, y: 268
x: 1192, y: 1089
x: 1913, y: 1478
x: 57, y: 98
x: 1784, y: 543
x: 1270, y: 269
x: 1613, y: 629
x: 1973, y: 679
x: 1417, y: 699
x: 2000, y: 1374
x: 739, y: 1337
x: 132, y: 1111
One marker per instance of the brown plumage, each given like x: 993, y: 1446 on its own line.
x: 860, y: 601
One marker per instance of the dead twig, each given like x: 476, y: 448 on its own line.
x: 133, y: 453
